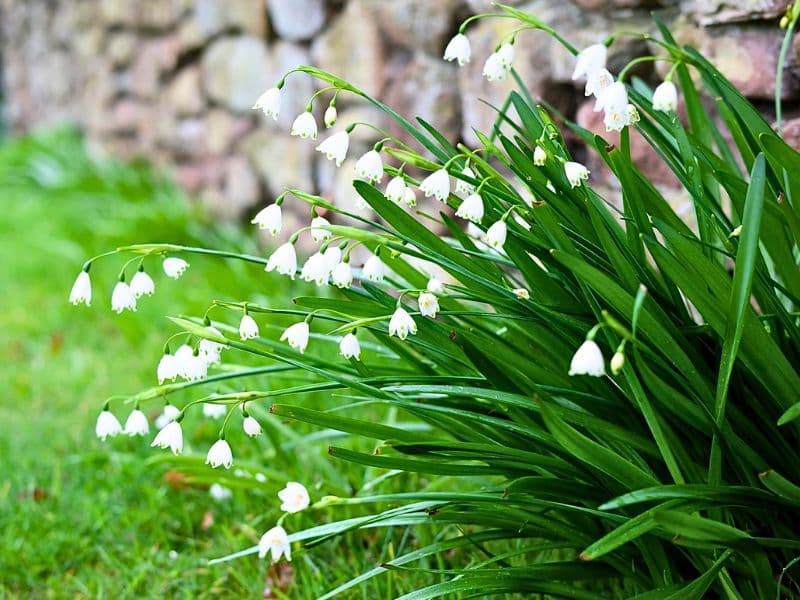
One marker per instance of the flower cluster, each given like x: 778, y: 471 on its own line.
x: 294, y: 498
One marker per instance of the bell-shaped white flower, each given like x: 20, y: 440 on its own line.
x: 588, y: 360
x: 665, y: 97
x: 171, y: 436
x: 220, y: 455
x: 401, y: 324
x: 342, y: 275
x: 496, y: 235
x: 597, y: 82
x: 617, y: 362
x: 315, y: 269
x: 294, y: 497
x: 539, y: 156
x: 167, y: 368
x: 214, y: 411
x: 370, y: 167
x: 297, y: 336
x: 590, y: 60
x: 269, y: 218
x: 276, y: 542
x: 251, y: 426
x: 167, y: 416
x: 458, y: 49
x: 465, y: 188
x: 193, y: 367
x: 613, y: 97
x: 107, y: 425
x: 521, y: 293
x: 136, y: 423
x: 319, y: 231
x: 333, y: 254
x: 471, y: 208
x: 349, y: 347
x: 409, y: 196
x: 270, y: 102
x: 494, y: 69
x: 248, y: 328
x: 576, y: 173
x: 335, y: 147
x: 210, y: 350
x: 396, y: 189
x: 174, y: 267
x: 435, y: 286
x: 142, y: 284
x: 615, y: 119
x: 505, y: 55
x: 632, y: 115
x: 283, y: 260
x: 437, y: 184
x: 122, y: 298
x: 373, y: 269
x: 305, y: 126
x: 330, y: 116
x: 428, y: 304
x: 81, y: 290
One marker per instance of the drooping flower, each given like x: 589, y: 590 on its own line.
x: 590, y: 60
x: 370, y: 167
x: 539, y: 156
x: 665, y: 97
x: 335, y: 147
x: 588, y: 360
x: 193, y: 367
x: 182, y: 355
x: 283, y: 260
x: 435, y: 286
x: 210, y: 350
x: 401, y: 324
x: 214, y: 411
x: 597, y: 82
x: 458, y: 49
x: 315, y: 269
x: 81, y: 290
x: 319, y: 231
x: 373, y: 269
x: 437, y: 184
x: 275, y: 541
x: 409, y: 196
x: 333, y: 254
x: 270, y: 102
x: 220, y: 493
x: 142, y: 284
x: 576, y: 173
x: 269, y: 218
x: 471, y: 208
x: 496, y: 235
x: 617, y: 362
x: 615, y: 119
x: 122, y: 298
x: 294, y: 497
x: 305, y: 126
x: 248, y: 328
x: 174, y: 266
x: 494, y: 69
x: 297, y: 336
x: 613, y: 97
x: 505, y: 55
x: 136, y: 423
x: 396, y: 189
x: 349, y: 347
x: 107, y: 425
x: 632, y: 114
x: 521, y: 293
x: 342, y: 275
x: 166, y: 417
x: 171, y: 436
x: 220, y: 455
x: 251, y: 426
x: 330, y: 116
x: 428, y: 304
x: 463, y: 187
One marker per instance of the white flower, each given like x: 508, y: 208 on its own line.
x: 396, y: 189
x: 220, y: 455
x: 305, y: 126
x: 575, y: 173
x: 220, y: 493
x: 297, y: 336
x: 174, y: 267
x: 435, y: 286
x: 142, y: 284
x: 315, y: 269
x: 617, y: 362
x: 463, y: 187
x: 335, y: 147
x: 81, y: 290
x: 613, y: 97
x: 107, y: 425
x: 171, y: 436
x: 521, y: 293
x: 505, y: 55
x: 370, y: 167
x: 248, y: 328
x: 471, y: 208
x: 194, y: 367
x: 319, y: 233
x: 251, y: 426
x: 270, y: 102
x: 210, y: 350
x: 632, y: 115
x: 458, y: 49
x: 474, y: 231
x: 494, y: 69
x: 665, y: 97
x: 349, y: 347
x: 332, y: 257
x: 409, y: 196
x: 182, y: 355
x: 284, y: 260
x: 342, y: 275
x: 122, y: 298
x: 590, y: 60
x: 428, y: 304
x: 330, y: 116
x: 214, y: 411
x: 136, y: 423
x: 167, y: 416
x: 401, y: 324
x: 294, y: 497
x: 539, y: 156
x: 588, y: 360
x: 277, y: 542
x: 373, y: 269
x: 269, y: 218
x: 597, y: 82
x: 496, y: 235
x: 437, y: 184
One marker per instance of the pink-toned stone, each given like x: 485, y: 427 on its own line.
x: 297, y: 20
x: 235, y: 71
x: 183, y: 94
x: 417, y: 24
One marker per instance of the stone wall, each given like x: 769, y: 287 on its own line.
x: 174, y: 80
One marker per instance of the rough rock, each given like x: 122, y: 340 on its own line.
x: 121, y: 48
x: 223, y: 129
x: 417, y: 24
x: 240, y: 189
x: 235, y: 71
x: 280, y: 161
x: 209, y: 18
x: 296, y: 20
x: 183, y: 94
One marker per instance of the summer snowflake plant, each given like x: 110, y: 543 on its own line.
x: 485, y: 317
